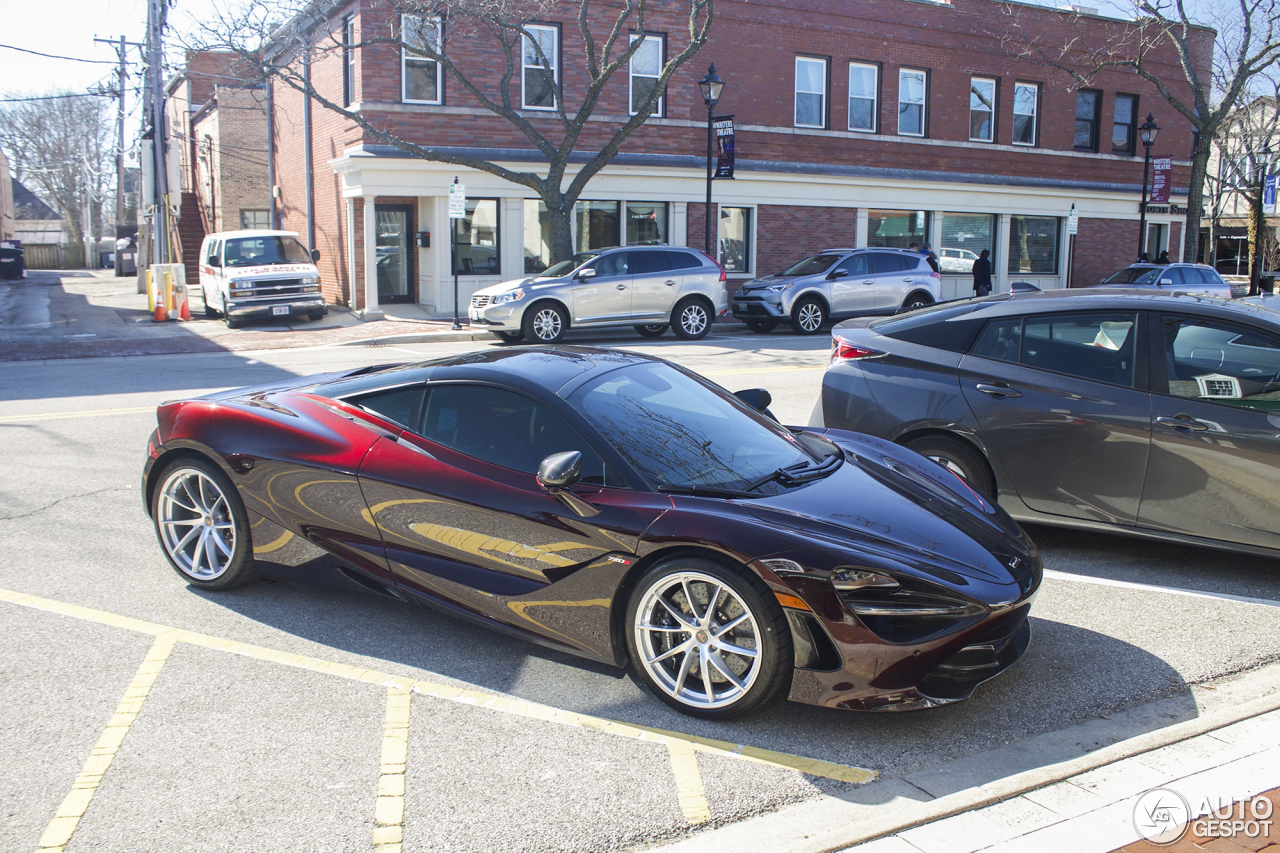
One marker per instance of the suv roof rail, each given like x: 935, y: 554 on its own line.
x: 840, y: 249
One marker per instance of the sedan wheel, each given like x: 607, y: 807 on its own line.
x: 202, y: 526
x: 807, y: 316
x: 545, y: 324
x: 692, y: 320
x: 652, y: 331
x: 706, y: 640
x: 958, y: 458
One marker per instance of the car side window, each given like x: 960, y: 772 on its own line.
x: 1000, y: 340
x: 1222, y: 363
x: 401, y: 405
x: 1098, y: 347
x: 683, y: 261
x: 884, y: 262
x: 647, y: 263
x: 505, y: 428
x: 852, y: 266
x: 215, y: 249
x: 1175, y: 275
x: 610, y: 265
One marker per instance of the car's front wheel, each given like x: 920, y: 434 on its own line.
x: 509, y: 337
x: 545, y: 323
x: 709, y: 639
x: 959, y: 458
x: 807, y: 316
x: 762, y: 326
x: 202, y: 525
x: 655, y: 330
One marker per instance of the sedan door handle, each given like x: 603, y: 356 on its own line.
x: 669, y: 282
x: 869, y: 281
x: 622, y: 287
x: 1183, y: 422
x: 998, y: 390
x: 908, y: 280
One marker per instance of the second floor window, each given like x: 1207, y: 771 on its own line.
x: 1026, y: 104
x: 348, y: 61
x: 1122, y: 124
x: 811, y: 92
x: 863, y: 89
x: 646, y: 68
x: 982, y: 107
x: 541, y: 60
x: 422, y: 78
x: 911, y: 94
x: 1087, y: 103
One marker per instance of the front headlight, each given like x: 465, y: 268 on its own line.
x: 504, y: 298
x: 311, y: 279
x: 778, y: 288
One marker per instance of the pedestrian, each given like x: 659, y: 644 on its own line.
x: 1143, y: 259
x: 982, y: 274
x: 1164, y: 257
x: 914, y: 247
x: 929, y: 256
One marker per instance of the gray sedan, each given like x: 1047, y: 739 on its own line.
x: 1150, y: 414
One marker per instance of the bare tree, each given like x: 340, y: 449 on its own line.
x: 283, y: 38
x: 1244, y: 153
x: 59, y: 145
x: 1247, y: 45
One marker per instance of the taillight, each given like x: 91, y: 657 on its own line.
x: 935, y: 275
x: 723, y: 275
x: 849, y: 352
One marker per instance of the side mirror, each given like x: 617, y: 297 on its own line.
x: 1167, y: 281
x: 315, y: 255
x: 838, y: 274
x: 757, y: 398
x: 586, y: 273
x: 560, y: 470
x: 215, y: 262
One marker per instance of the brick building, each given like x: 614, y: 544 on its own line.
x: 876, y: 122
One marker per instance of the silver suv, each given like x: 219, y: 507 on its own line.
x: 649, y: 287
x: 835, y: 284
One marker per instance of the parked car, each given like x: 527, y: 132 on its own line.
x: 1146, y: 413
x: 837, y: 283
x: 956, y: 260
x: 1189, y: 278
x: 614, y: 506
x: 249, y: 274
x: 649, y: 287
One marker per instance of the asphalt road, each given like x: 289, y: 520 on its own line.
x: 304, y: 738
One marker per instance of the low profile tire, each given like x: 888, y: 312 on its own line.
x: 202, y: 525
x: 509, y: 337
x: 691, y: 320
x: 914, y: 301
x: 807, y: 316
x: 545, y: 323
x: 652, y: 331
x: 707, y: 638
x: 762, y: 326
x: 960, y: 458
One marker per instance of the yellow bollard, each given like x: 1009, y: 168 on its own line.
x: 168, y: 292
x: 151, y: 294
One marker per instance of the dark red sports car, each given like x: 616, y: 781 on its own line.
x: 615, y: 506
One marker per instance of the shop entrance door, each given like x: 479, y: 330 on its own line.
x: 393, y: 252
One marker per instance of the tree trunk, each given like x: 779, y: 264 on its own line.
x: 1195, y: 200
x: 1255, y: 257
x: 560, y: 212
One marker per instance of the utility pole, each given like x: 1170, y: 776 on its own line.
x: 86, y: 215
x: 122, y: 73
x: 156, y: 10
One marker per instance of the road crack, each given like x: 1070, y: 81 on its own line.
x: 60, y: 500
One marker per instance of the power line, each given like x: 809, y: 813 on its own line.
x: 107, y: 94
x: 51, y: 56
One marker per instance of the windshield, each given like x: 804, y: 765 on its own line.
x: 1149, y: 276
x: 1129, y: 275
x: 681, y: 434
x: 267, y: 249
x: 812, y: 266
x: 565, y: 267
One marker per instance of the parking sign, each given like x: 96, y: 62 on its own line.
x: 457, y: 201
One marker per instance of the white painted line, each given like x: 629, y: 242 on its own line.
x: 1170, y: 590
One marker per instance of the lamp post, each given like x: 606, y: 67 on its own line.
x: 1262, y: 164
x: 1148, y: 131
x: 711, y: 86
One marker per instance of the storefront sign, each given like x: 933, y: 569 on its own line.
x: 1161, y: 178
x: 724, y: 146
x: 1174, y: 209
x: 457, y: 201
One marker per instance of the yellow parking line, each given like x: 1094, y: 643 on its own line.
x: 67, y: 818
x: 689, y: 790
x: 786, y: 761
x: 90, y: 413
x: 388, y: 810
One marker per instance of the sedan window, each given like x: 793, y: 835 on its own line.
x: 1098, y: 347
x: 1127, y: 275
x: 815, y: 265
x: 1221, y: 363
x: 400, y: 405
x: 1001, y: 340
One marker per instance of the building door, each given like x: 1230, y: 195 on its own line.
x: 393, y: 252
x: 1157, y: 239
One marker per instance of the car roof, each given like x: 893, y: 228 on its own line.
x: 1102, y: 298
x: 227, y: 235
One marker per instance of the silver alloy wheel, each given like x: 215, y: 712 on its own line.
x: 693, y: 319
x: 810, y: 316
x: 951, y: 466
x: 546, y: 324
x: 195, y: 522
x: 698, y: 640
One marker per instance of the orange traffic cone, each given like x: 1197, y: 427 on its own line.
x: 184, y: 313
x: 161, y: 314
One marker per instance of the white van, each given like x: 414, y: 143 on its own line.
x: 259, y: 274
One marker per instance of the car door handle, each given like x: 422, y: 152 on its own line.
x: 870, y: 281
x: 669, y: 282
x: 908, y: 280
x: 998, y: 390
x: 622, y: 287
x: 1183, y: 422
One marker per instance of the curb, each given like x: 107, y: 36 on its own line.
x: 450, y: 336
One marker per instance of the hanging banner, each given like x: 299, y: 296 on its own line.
x: 1269, y: 195
x: 1161, y: 178
x: 723, y: 127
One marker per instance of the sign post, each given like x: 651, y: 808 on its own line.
x: 457, y: 210
x: 1073, y: 225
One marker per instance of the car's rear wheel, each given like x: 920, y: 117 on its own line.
x: 707, y: 638
x: 807, y: 316
x: 762, y: 326
x: 653, y: 330
x: 202, y: 525
x: 209, y: 311
x: 959, y: 458
x: 691, y: 319
x: 545, y: 323
x: 916, y: 300
x: 509, y: 337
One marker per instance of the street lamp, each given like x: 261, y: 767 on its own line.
x: 1262, y: 164
x: 1148, y: 132
x: 711, y: 87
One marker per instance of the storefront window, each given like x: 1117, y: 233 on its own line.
x: 896, y: 229
x: 537, y: 236
x: 646, y: 223
x: 1033, y: 245
x: 598, y: 225
x: 478, y: 238
x: 964, y: 236
x: 735, y: 239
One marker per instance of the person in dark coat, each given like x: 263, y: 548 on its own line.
x: 929, y: 256
x: 1164, y: 257
x: 982, y: 274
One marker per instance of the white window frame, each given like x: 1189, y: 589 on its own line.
x: 924, y: 100
x: 991, y: 120
x: 822, y: 110
x: 875, y: 97
x: 660, y: 108
x: 349, y: 61
x: 555, y: 66
x: 1035, y: 114
x: 751, y: 240
x: 406, y: 58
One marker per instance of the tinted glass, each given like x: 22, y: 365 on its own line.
x: 854, y: 265
x: 678, y: 432
x: 402, y: 405
x: 1000, y: 340
x: 566, y: 267
x: 683, y: 261
x: 1233, y: 365
x: 1098, y: 347
x: 642, y: 263
x: 504, y: 428
x: 611, y: 265
x: 1192, y: 275
x: 1157, y: 275
x: 1126, y: 275
x: 1211, y: 277
x: 812, y: 266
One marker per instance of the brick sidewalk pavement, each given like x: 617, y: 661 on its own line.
x: 1266, y: 839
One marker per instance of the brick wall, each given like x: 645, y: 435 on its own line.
x: 1102, y: 247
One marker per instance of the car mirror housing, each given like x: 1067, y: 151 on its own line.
x: 315, y: 256
x: 1165, y: 281
x: 560, y: 470
x: 757, y: 398
x: 838, y: 274
x: 586, y: 273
